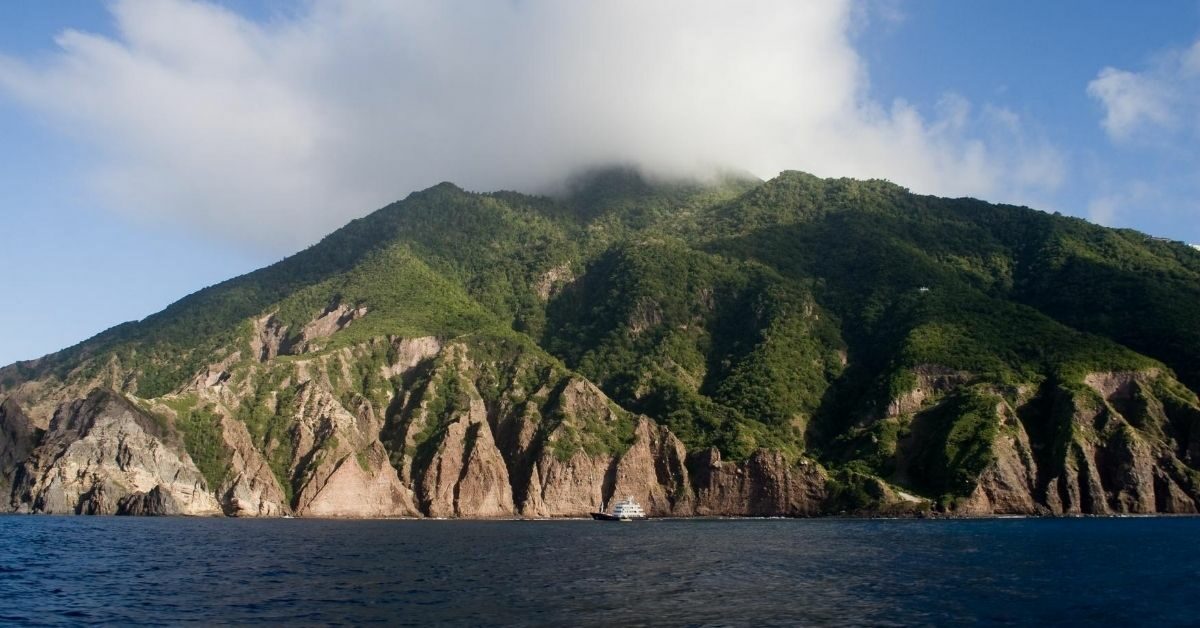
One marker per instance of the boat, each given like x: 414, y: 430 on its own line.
x: 626, y: 510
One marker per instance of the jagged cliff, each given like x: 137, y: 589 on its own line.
x: 544, y: 443
x: 797, y: 347
x: 1119, y: 442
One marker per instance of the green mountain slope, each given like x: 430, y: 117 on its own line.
x: 986, y: 358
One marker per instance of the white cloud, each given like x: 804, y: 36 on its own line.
x: 1165, y: 96
x: 275, y: 133
x: 1130, y: 101
x: 1154, y: 114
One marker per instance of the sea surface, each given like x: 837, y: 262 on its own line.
x: 110, y: 570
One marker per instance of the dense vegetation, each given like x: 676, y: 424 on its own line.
x: 785, y: 314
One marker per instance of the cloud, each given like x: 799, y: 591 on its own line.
x: 1152, y: 115
x: 1131, y: 101
x: 273, y: 133
x: 1163, y: 97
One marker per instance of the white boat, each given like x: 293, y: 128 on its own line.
x: 625, y: 510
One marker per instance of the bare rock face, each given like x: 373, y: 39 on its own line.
x: 250, y: 488
x: 1117, y: 456
x: 104, y: 498
x: 342, y: 469
x: 467, y: 476
x: 1009, y: 484
x: 931, y: 380
x: 1120, y: 385
x: 335, y: 318
x: 654, y: 472
x: 451, y: 455
x: 1170, y: 495
x: 269, y: 339
x: 566, y: 480
x: 1128, y: 472
x: 764, y: 485
x: 564, y: 460
x: 356, y: 489
x: 157, y: 503
x: 1119, y: 459
x: 1107, y: 443
x: 566, y: 488
x: 440, y: 429
x: 102, y: 448
x: 18, y: 437
x: 409, y: 352
x: 552, y: 281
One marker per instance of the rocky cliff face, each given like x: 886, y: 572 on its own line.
x: 765, y: 485
x: 420, y: 427
x: 447, y: 434
x: 18, y: 437
x: 1117, y: 443
x: 157, y: 503
x: 101, y: 449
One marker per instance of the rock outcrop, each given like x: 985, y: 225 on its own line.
x: 930, y: 382
x: 1009, y: 485
x: 438, y: 429
x: 250, y: 488
x: 764, y: 485
x: 99, y: 450
x: 18, y: 437
x: 1118, y: 459
x: 158, y: 502
x: 339, y: 467
x: 654, y: 471
x: 1105, y: 446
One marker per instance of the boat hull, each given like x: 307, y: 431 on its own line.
x: 603, y: 516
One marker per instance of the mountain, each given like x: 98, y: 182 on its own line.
x: 799, y: 346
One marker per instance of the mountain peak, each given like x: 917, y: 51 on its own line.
x: 894, y: 338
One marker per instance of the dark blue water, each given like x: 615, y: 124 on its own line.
x: 78, y: 570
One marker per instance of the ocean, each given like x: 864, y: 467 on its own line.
x: 111, y: 570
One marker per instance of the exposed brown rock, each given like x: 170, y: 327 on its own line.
x: 100, y: 449
x: 1117, y: 385
x: 352, y: 490
x: 335, y: 318
x: 1009, y: 484
x: 559, y: 448
x: 269, y: 338
x: 931, y: 380
x: 330, y: 447
x: 18, y: 437
x: 466, y: 475
x: 764, y: 485
x: 552, y: 281
x: 158, y: 502
x: 654, y: 471
x: 250, y: 488
x: 566, y: 488
x: 409, y: 353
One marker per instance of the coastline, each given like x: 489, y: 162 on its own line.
x: 831, y: 517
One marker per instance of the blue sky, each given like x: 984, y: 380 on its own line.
x: 178, y: 144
